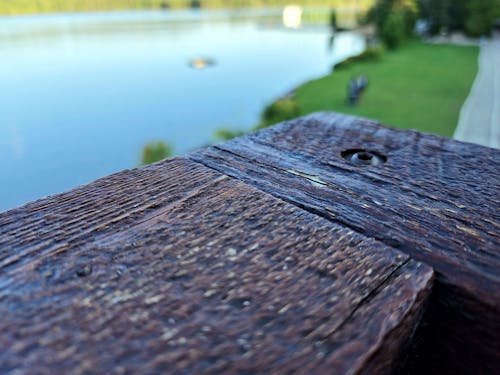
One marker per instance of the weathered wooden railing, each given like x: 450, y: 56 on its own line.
x: 327, y: 244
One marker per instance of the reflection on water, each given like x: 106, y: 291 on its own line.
x: 81, y: 94
x: 201, y: 63
x: 292, y: 16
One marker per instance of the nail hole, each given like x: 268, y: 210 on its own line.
x: 83, y: 270
x: 363, y: 157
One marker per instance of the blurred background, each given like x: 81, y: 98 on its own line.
x: 91, y: 87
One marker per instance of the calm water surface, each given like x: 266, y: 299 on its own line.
x: 81, y: 94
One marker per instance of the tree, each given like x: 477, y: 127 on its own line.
x: 394, y: 19
x: 475, y: 17
x: 457, y: 14
x: 480, y: 17
x: 437, y: 12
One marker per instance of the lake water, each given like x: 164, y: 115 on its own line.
x: 81, y: 94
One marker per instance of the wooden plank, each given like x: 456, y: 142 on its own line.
x: 433, y: 198
x: 177, y: 268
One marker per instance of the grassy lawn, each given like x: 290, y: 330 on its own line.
x: 419, y: 86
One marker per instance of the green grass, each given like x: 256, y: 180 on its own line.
x: 419, y: 86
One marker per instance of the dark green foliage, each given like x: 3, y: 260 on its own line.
x: 496, y: 9
x: 410, y: 16
x: 195, y: 4
x: 228, y: 134
x: 333, y: 20
x: 281, y: 110
x: 438, y: 13
x: 155, y: 151
x: 475, y: 17
x: 393, y: 30
x: 369, y: 54
x: 394, y: 20
x: 480, y: 17
x: 457, y: 14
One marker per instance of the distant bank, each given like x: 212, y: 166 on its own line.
x: 13, y: 7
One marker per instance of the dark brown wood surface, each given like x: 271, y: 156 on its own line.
x: 177, y: 268
x: 433, y: 198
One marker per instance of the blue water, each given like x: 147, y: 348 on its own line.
x: 81, y: 94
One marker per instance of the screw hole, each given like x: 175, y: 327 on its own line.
x: 363, y: 157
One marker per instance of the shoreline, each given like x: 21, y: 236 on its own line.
x: 327, y: 93
x: 54, y: 7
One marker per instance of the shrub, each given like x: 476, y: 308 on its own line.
x: 228, y: 134
x: 155, y: 151
x: 281, y: 110
x: 393, y: 30
x: 394, y: 19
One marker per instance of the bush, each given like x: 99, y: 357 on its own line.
x: 393, y: 30
x: 369, y: 54
x: 281, y: 110
x: 228, y: 134
x: 155, y: 151
x: 394, y: 19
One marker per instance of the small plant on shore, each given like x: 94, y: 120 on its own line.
x: 225, y: 134
x: 333, y: 20
x: 281, y: 110
x: 155, y: 151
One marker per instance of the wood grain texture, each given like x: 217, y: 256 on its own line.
x: 176, y: 268
x: 434, y: 198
